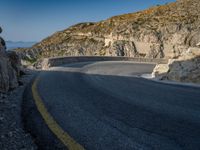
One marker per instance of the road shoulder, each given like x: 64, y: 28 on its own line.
x: 13, y: 135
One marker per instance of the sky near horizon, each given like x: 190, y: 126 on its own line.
x: 33, y: 20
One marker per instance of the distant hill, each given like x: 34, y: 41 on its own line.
x: 19, y: 44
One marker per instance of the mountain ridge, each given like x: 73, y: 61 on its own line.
x: 159, y: 32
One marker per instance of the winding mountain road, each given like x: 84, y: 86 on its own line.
x: 106, y: 106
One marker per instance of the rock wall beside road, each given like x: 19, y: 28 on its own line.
x: 186, y: 68
x: 9, y: 68
x: 58, y: 61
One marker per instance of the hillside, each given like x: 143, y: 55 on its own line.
x: 158, y: 32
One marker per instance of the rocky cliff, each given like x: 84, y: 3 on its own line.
x: 158, y: 32
x: 9, y: 68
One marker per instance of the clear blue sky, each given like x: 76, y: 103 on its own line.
x: 33, y: 20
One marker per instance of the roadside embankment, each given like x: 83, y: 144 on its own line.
x: 12, y: 134
x: 186, y: 68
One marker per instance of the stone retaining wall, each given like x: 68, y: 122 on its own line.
x: 58, y: 61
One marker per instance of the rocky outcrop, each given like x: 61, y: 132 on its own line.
x: 185, y: 69
x: 9, y: 68
x: 158, y: 32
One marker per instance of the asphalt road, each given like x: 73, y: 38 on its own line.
x: 106, y: 106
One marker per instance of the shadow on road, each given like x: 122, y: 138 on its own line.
x: 142, y: 110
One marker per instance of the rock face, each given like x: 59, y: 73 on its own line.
x: 158, y: 32
x: 9, y: 68
x: 185, y: 69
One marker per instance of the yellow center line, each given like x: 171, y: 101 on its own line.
x: 64, y: 137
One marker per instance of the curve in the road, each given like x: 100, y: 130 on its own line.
x: 63, y: 136
x: 102, y: 105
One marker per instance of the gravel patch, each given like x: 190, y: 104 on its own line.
x: 12, y: 135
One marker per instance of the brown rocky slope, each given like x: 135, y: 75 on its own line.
x: 158, y: 32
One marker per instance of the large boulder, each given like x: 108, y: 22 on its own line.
x: 186, y: 68
x: 8, y: 76
x: 160, y: 71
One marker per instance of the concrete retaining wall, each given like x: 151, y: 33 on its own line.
x: 58, y: 61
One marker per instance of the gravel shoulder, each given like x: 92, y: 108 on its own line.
x: 155, y: 79
x: 12, y: 135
